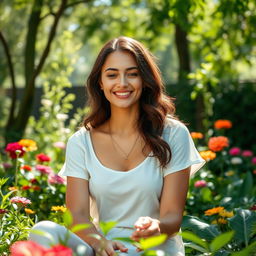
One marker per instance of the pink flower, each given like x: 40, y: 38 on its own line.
x: 44, y: 169
x: 235, y: 151
x: 15, y: 150
x: 43, y: 158
x: 254, y: 160
x: 30, y: 248
x: 7, y: 165
x: 247, y: 153
x: 59, y: 144
x: 22, y: 201
x: 56, y: 179
x: 200, y: 184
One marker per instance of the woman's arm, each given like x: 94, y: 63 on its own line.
x: 77, y: 201
x: 172, y: 204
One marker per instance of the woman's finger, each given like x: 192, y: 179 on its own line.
x: 119, y: 246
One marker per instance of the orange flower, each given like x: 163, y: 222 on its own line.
x: 29, y: 211
x: 13, y: 188
x: 207, y: 155
x: 196, y: 135
x: 222, y: 124
x: 218, y: 143
x: 213, y: 211
x: 29, y: 145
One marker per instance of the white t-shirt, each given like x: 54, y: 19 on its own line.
x: 125, y: 196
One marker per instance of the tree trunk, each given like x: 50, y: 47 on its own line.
x: 15, y: 131
x: 182, y: 46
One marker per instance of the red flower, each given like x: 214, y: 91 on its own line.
x: 59, y: 250
x: 36, y: 188
x: 33, y: 181
x: 218, y: 143
x: 15, y: 150
x: 26, y: 187
x: 3, y: 211
x: 27, y: 248
x: 253, y: 208
x: 26, y: 168
x: 43, y: 158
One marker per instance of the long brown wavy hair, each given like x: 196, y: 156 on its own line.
x: 155, y: 105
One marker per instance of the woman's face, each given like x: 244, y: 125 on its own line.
x: 120, y: 80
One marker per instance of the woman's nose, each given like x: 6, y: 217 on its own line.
x: 123, y: 80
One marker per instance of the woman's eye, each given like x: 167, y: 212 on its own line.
x: 111, y: 75
x: 133, y: 74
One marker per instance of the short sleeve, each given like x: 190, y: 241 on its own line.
x: 75, y: 161
x: 184, y: 152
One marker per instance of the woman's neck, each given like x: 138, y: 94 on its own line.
x: 123, y: 121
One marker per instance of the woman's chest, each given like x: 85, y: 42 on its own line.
x: 145, y: 179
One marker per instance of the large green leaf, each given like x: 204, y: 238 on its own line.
x: 200, y: 228
x: 247, y: 185
x: 67, y: 218
x: 221, y: 241
x: 194, y: 238
x: 153, y: 241
x: 80, y: 227
x: 249, y: 250
x: 242, y: 223
x: 107, y: 226
x: 206, y: 194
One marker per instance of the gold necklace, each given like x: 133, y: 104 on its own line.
x: 116, y: 145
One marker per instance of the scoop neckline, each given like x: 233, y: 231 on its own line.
x: 88, y: 134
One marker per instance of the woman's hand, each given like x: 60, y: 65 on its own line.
x: 145, y: 227
x: 108, y: 248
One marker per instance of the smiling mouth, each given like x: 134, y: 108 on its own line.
x: 122, y: 94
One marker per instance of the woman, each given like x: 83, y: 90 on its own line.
x: 131, y: 161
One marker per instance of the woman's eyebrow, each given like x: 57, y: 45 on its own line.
x: 115, y: 69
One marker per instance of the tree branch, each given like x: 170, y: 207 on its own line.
x: 11, y: 70
x: 77, y: 2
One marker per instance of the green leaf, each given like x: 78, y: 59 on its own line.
x: 147, y: 243
x: 43, y: 233
x: 124, y: 239
x: 107, y: 226
x: 221, y: 241
x: 3, y: 181
x: 194, y: 238
x: 249, y: 250
x: 80, y: 227
x: 67, y: 218
x: 206, y: 194
x: 242, y: 223
x: 200, y: 228
x: 196, y: 247
x: 247, y: 185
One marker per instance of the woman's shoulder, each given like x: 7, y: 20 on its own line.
x: 174, y: 123
x: 174, y: 127
x: 79, y: 136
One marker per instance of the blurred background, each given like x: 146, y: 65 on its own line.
x: 206, y: 50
